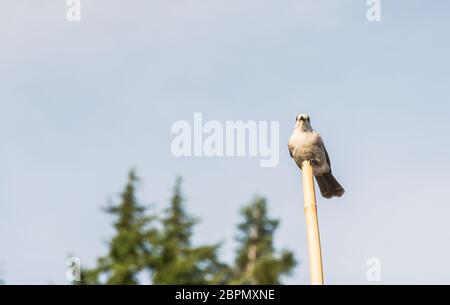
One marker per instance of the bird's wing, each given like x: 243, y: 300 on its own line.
x: 327, y: 156
x: 291, y: 148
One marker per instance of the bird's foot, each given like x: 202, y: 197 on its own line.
x: 311, y: 161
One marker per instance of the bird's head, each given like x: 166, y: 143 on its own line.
x: 303, y: 122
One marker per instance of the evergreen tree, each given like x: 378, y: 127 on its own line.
x: 178, y: 261
x: 168, y: 254
x: 129, y: 252
x: 256, y: 261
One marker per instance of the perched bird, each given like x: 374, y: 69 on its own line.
x: 306, y: 145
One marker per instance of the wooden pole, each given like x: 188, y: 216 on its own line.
x: 312, y: 225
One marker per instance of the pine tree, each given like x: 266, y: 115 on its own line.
x: 256, y: 261
x: 179, y: 262
x: 129, y: 252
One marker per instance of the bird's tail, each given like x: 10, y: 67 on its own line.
x: 329, y: 187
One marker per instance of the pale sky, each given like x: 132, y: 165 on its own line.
x: 82, y: 102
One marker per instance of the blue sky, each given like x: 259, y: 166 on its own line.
x: 80, y: 103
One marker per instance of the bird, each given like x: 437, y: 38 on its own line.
x: 306, y: 145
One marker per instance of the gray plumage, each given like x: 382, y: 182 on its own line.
x: 306, y: 144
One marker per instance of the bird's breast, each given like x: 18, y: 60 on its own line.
x: 308, y: 146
